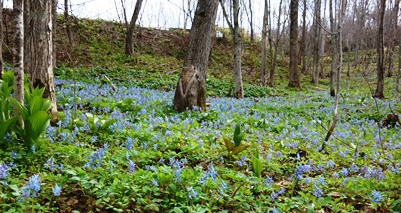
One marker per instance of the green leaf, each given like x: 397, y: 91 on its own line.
x: 36, y: 124
x: 22, y: 109
x: 257, y: 166
x: 39, y: 104
x: 237, y: 135
x: 5, y: 126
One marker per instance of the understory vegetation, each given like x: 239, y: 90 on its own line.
x: 119, y: 146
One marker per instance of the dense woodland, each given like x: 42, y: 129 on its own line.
x: 299, y: 115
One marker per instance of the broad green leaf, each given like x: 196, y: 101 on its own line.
x: 39, y: 104
x: 237, y: 135
x: 22, y: 109
x: 106, y: 124
x: 257, y: 166
x: 36, y: 124
x: 5, y: 126
x: 238, y: 149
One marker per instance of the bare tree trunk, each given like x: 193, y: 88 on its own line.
x: 380, y: 53
x: 40, y: 52
x: 67, y: 23
x: 251, y: 20
x: 294, y: 80
x: 191, y: 87
x: 316, y: 51
x: 1, y: 38
x: 274, y: 46
x: 393, y: 38
x: 129, y: 44
x: 264, y: 44
x: 18, y: 56
x: 333, y: 50
x: 54, y: 19
x: 239, y: 93
x: 303, y: 47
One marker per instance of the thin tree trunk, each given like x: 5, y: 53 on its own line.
x: 274, y: 46
x: 303, y: 47
x: 380, y: 53
x: 251, y: 21
x: 333, y: 50
x: 264, y: 44
x: 18, y: 56
x: 39, y: 39
x: 67, y: 23
x: 294, y: 80
x: 1, y: 38
x: 397, y: 83
x: 316, y: 52
x: 129, y: 43
x: 191, y: 86
x: 239, y: 93
x: 393, y: 38
x: 348, y: 57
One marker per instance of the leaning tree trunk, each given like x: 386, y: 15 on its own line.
x: 1, y: 38
x: 239, y: 92
x: 40, y: 52
x: 18, y: 56
x: 129, y: 43
x: 294, y: 75
x: 191, y: 86
x: 380, y: 53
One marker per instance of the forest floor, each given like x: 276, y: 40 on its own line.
x: 120, y: 147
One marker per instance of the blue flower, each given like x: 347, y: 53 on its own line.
x: 129, y: 143
x: 376, y: 197
x: 13, y: 154
x: 3, y: 170
x: 33, y: 185
x: 191, y: 192
x: 56, y: 190
x: 318, y: 192
x: 241, y: 162
x: 154, y: 182
x: 97, y: 157
x: 49, y: 164
x: 268, y: 181
x: 131, y: 166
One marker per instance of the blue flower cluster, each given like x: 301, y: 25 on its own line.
x: 33, y: 187
x: 96, y: 158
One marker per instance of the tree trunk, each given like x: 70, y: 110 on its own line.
x: 333, y: 50
x: 380, y: 53
x: 18, y: 55
x: 274, y: 45
x: 67, y: 23
x: 264, y: 45
x: 129, y: 43
x: 40, y: 52
x: 303, y: 47
x: 191, y: 86
x: 316, y: 51
x: 397, y: 83
x: 393, y: 38
x: 251, y: 20
x: 54, y: 20
x: 1, y: 38
x: 239, y: 93
x: 294, y: 80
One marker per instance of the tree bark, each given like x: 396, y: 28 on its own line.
x: 264, y: 44
x: 39, y: 53
x: 129, y: 43
x: 191, y: 86
x: 333, y: 49
x: 294, y: 80
x: 317, y: 43
x: 18, y: 56
x: 380, y: 53
x: 1, y: 38
x: 393, y: 38
x: 303, y: 46
x: 274, y: 45
x: 67, y: 23
x: 397, y: 83
x: 54, y: 35
x: 251, y: 20
x: 239, y: 93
